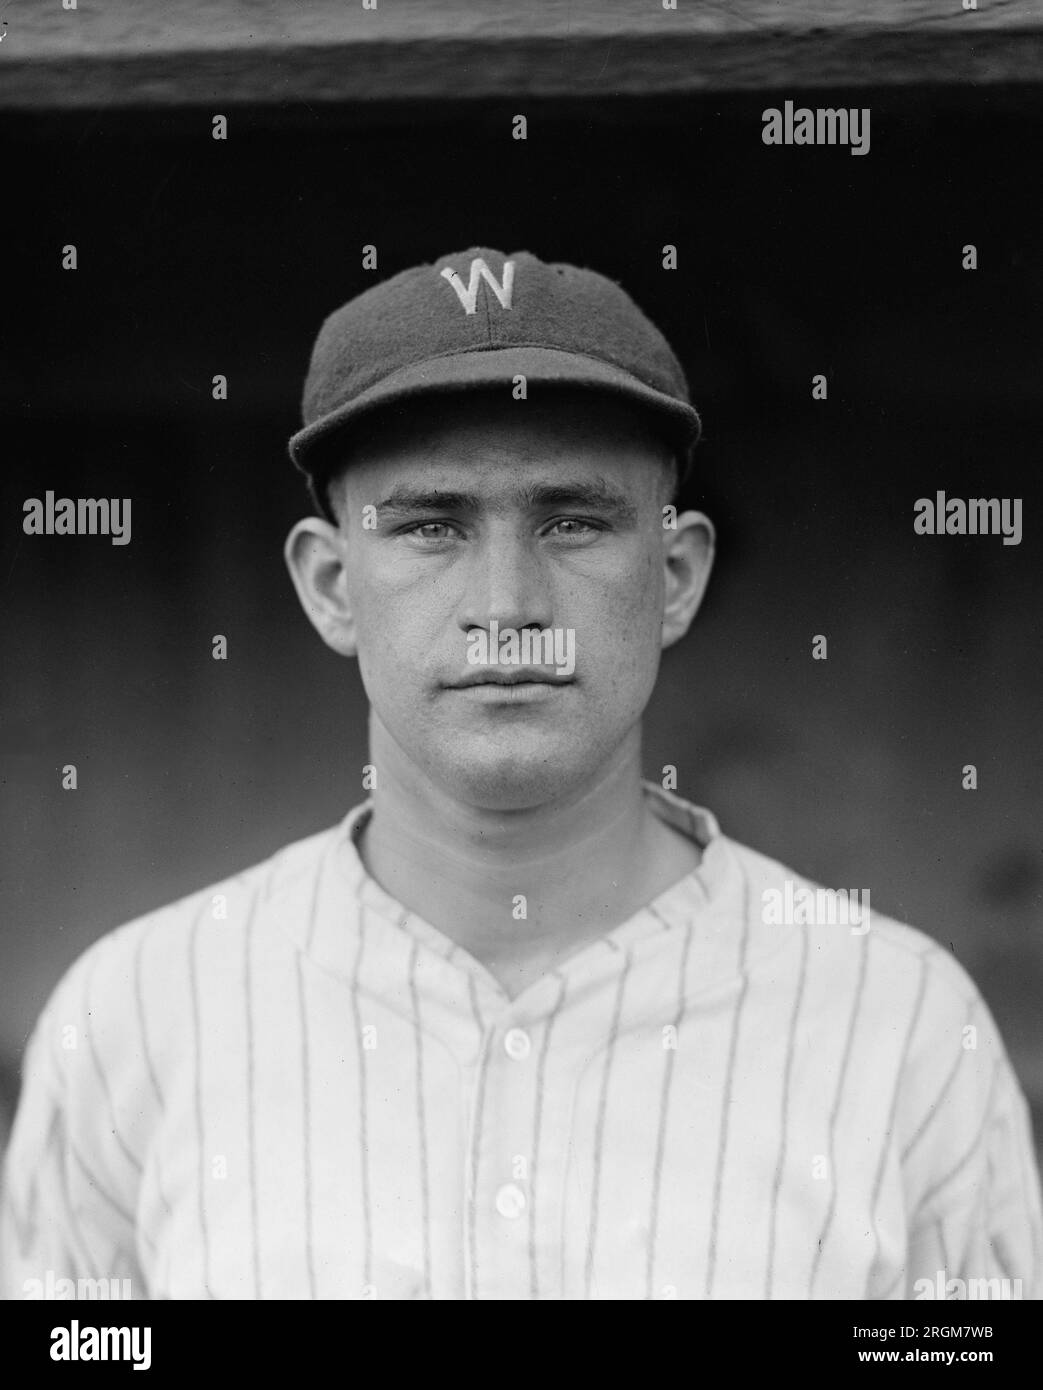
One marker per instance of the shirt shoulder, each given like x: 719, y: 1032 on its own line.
x: 906, y: 998
x: 896, y: 950
x: 108, y: 975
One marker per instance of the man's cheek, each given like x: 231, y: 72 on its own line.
x: 392, y: 627
x: 625, y: 625
x: 386, y: 653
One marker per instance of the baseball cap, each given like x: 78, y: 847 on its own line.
x: 477, y: 319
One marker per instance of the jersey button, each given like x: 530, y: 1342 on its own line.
x: 517, y: 1044
x: 510, y: 1201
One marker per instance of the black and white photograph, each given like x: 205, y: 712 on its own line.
x: 521, y: 720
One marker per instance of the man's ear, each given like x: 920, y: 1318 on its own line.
x: 315, y: 556
x: 688, y: 551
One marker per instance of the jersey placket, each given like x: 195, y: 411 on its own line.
x: 498, y: 1250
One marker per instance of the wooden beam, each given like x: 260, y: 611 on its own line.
x: 217, y: 53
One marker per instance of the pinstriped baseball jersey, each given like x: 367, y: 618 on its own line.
x: 287, y: 1086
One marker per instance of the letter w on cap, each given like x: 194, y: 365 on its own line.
x: 468, y: 296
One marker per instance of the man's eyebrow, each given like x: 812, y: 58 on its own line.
x: 598, y: 495
x: 412, y: 499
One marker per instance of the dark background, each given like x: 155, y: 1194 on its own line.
x: 199, y: 257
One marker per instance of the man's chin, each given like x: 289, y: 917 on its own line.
x: 504, y: 781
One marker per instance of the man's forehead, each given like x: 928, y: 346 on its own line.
x: 458, y: 486
x: 554, y: 440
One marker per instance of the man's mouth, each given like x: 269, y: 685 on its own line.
x: 518, y: 675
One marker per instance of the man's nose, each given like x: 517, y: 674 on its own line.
x: 507, y: 581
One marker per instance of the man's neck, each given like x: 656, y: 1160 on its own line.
x: 521, y: 890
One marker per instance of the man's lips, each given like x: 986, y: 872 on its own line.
x: 517, y: 675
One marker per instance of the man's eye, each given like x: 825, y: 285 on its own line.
x: 431, y: 530
x: 573, y: 526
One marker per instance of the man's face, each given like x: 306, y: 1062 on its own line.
x: 524, y: 515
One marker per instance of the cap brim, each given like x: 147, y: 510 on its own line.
x: 492, y: 367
